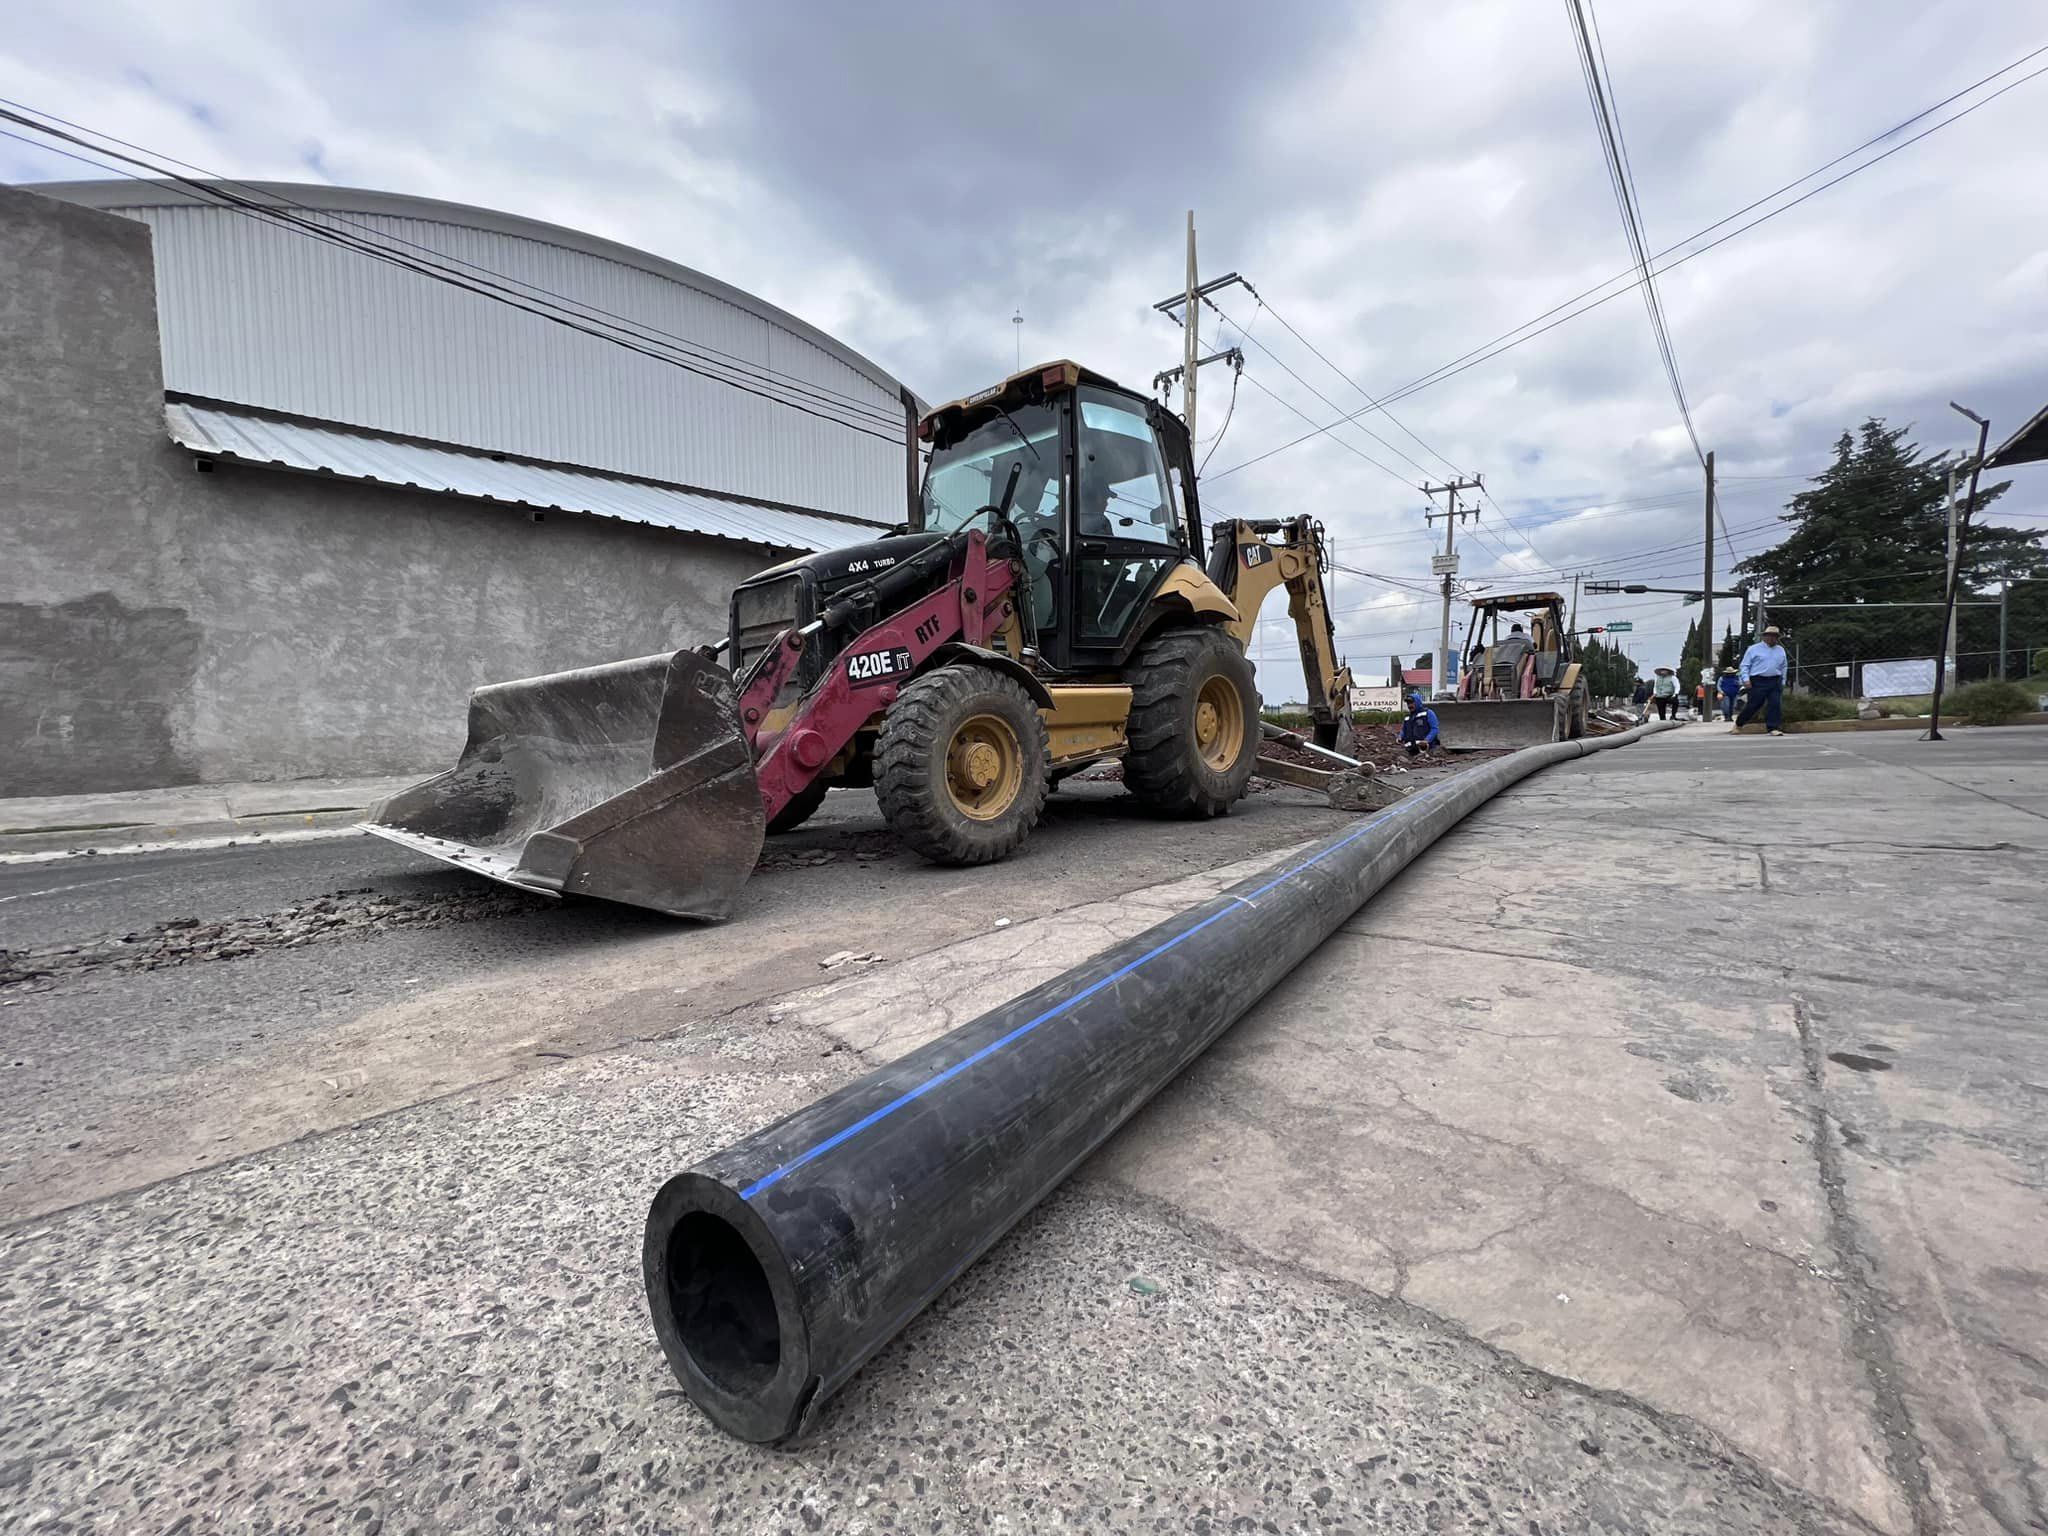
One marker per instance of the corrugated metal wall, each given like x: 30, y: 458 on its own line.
x: 254, y: 313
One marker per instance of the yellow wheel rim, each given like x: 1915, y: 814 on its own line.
x: 984, y: 767
x: 1219, y: 723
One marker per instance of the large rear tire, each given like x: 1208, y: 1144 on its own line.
x: 1194, y: 723
x: 1575, y: 719
x: 960, y: 765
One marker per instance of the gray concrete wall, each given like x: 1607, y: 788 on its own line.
x: 160, y: 626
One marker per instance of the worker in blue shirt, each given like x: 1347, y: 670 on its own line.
x: 1763, y: 673
x: 1730, y: 685
x: 1419, y: 731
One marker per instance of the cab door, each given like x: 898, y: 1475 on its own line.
x: 1127, y: 532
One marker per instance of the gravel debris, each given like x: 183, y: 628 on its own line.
x: 187, y: 940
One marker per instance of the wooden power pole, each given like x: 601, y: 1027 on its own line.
x: 1446, y: 566
x: 1191, y: 324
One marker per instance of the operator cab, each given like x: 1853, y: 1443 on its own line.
x: 1097, y: 484
x: 1495, y: 653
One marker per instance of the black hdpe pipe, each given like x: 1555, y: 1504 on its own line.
x: 777, y: 1267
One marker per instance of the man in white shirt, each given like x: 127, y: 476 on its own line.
x: 1763, y: 671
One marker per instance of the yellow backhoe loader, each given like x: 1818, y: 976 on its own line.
x: 1521, y: 684
x: 1045, y: 608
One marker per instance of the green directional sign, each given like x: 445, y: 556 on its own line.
x: 1625, y: 627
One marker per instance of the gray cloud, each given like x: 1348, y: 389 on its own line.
x: 1402, y: 182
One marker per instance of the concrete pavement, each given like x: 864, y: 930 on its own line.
x: 1625, y: 1166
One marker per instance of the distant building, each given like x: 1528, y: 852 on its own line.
x: 411, y: 482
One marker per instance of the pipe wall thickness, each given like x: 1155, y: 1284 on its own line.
x: 777, y: 1267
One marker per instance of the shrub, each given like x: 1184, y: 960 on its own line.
x: 1910, y: 705
x: 1993, y: 702
x: 1802, y: 707
x: 2040, y: 666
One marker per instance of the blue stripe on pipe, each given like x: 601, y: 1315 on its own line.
x: 841, y: 1137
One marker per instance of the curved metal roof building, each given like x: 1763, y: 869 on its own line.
x: 409, y: 341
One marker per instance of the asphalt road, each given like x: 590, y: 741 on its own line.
x: 119, y: 1075
x: 1620, y: 1168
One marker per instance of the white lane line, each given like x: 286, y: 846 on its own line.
x: 239, y: 840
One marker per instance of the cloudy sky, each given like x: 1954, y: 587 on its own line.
x: 1402, y: 182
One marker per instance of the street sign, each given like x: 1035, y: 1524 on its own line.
x: 1622, y: 627
x: 1600, y: 587
x: 1443, y: 565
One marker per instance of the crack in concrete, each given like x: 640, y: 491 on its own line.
x: 1982, y: 794
x: 1692, y: 1434
x: 1869, y: 1341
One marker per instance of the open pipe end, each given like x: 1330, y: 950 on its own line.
x: 724, y: 1308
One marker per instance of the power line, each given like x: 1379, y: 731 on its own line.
x: 1565, y: 311
x: 1253, y: 380
x: 1621, y: 180
x: 1457, y: 471
x: 434, y: 256
x: 1229, y: 411
x: 1304, y: 383
x: 620, y: 334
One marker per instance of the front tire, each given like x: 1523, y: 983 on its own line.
x: 801, y: 808
x: 1194, y: 723
x: 960, y: 765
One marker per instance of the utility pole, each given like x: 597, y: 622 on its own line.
x: 1957, y: 528
x: 1191, y: 350
x: 1949, y: 568
x: 1189, y: 300
x: 1446, y: 566
x: 1017, y: 321
x: 1710, y: 648
x: 2004, y: 589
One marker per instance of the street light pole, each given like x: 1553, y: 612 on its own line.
x: 1949, y: 569
x: 1954, y: 570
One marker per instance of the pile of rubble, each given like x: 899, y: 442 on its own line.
x: 187, y: 940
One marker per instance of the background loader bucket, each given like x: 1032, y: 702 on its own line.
x: 630, y: 781
x: 1472, y: 723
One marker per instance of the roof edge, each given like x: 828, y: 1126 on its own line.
x: 2016, y: 450
x: 466, y: 450
x: 154, y: 192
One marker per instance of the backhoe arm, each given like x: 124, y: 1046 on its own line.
x: 1248, y: 560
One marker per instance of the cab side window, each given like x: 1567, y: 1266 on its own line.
x: 1124, y: 492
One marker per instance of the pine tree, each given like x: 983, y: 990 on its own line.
x: 1874, y: 528
x: 1607, y: 669
x: 1689, y: 659
x: 1731, y: 651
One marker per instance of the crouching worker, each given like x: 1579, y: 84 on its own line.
x: 1418, y: 732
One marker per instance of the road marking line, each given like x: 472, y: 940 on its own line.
x: 239, y: 840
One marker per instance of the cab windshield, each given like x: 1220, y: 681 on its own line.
x: 971, y: 472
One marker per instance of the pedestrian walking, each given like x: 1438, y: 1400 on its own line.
x: 1665, y: 692
x: 1731, y: 685
x: 1640, y: 697
x: 1763, y: 672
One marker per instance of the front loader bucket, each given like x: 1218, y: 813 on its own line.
x: 630, y: 781
x: 1468, y: 724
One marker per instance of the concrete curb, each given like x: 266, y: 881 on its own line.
x: 36, y: 829
x: 1889, y: 723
